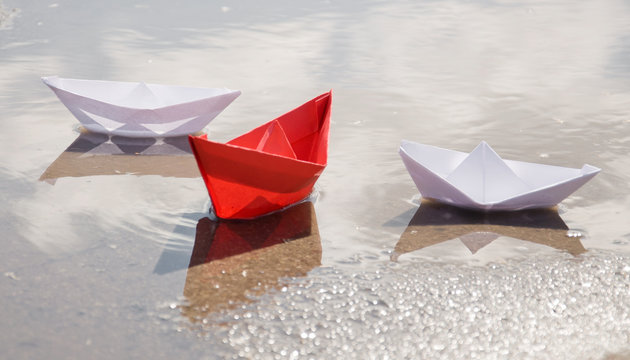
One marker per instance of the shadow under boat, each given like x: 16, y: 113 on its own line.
x: 434, y: 223
x: 233, y: 260
x: 101, y: 154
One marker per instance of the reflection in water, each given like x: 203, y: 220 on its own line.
x: 435, y: 223
x: 100, y: 154
x: 235, y: 259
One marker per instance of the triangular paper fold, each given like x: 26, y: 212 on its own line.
x: 141, y: 96
x: 161, y: 129
x: 109, y: 124
x: 275, y: 141
x: 485, y: 177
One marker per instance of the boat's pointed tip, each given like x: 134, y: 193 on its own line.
x: 590, y: 169
x: 192, y: 137
x: 405, y: 147
x: 52, y: 81
x: 231, y: 94
x: 484, y: 147
x: 327, y: 94
x: 484, y: 144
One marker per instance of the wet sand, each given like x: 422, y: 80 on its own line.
x: 109, y: 251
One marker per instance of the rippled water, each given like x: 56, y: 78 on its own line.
x: 108, y: 249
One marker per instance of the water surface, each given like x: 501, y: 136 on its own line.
x: 103, y: 254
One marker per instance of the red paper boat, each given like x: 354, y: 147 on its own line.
x: 270, y: 167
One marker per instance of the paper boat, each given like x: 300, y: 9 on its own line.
x: 139, y: 109
x: 270, y: 167
x: 482, y: 180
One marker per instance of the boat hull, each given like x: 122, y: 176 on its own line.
x: 244, y: 183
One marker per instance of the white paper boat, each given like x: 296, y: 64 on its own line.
x: 139, y: 109
x: 482, y: 180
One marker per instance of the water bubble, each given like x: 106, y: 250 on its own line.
x: 11, y: 275
x: 574, y: 233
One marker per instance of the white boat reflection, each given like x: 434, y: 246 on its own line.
x: 435, y: 223
x: 100, y: 154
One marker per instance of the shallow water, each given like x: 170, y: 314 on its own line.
x: 103, y: 247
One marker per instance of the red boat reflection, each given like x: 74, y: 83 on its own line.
x: 233, y: 260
